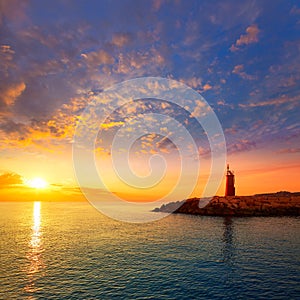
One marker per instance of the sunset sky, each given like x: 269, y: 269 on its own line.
x: 57, y: 56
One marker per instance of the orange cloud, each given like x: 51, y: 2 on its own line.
x: 111, y: 124
x: 13, y: 92
x: 275, y: 101
x: 193, y: 82
x: 51, y: 133
x: 250, y: 37
x: 200, y: 109
x: 239, y: 70
x: 206, y: 87
x: 97, y: 58
x: 137, y: 61
x: 6, y: 49
x: 121, y: 39
x: 10, y: 180
x: 240, y: 146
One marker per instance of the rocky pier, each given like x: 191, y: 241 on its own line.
x: 272, y: 204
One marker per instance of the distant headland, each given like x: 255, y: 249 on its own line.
x: 272, y: 204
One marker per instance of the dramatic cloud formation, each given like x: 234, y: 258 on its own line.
x: 57, y: 57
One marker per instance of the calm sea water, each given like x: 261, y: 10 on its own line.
x: 71, y: 251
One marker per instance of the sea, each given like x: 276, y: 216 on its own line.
x: 66, y: 250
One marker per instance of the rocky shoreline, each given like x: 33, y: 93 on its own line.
x: 262, y: 205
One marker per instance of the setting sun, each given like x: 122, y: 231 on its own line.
x: 37, y: 183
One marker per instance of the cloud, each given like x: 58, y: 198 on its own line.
x: 196, y: 83
x: 47, y: 68
x: 47, y: 132
x: 13, y: 10
x: 229, y: 13
x: 137, y: 63
x: 200, y: 109
x: 12, y: 86
x: 206, y: 87
x: 222, y: 103
x: 250, y: 37
x: 295, y: 10
x: 9, y: 126
x: 154, y: 143
x: 239, y: 70
x: 157, y: 4
x: 241, y: 146
x: 294, y: 100
x: 231, y: 130
x: 288, y: 150
x: 121, y: 39
x: 193, y: 82
x: 8, y: 180
x: 165, y: 145
x: 269, y: 169
x: 6, y: 56
x: 97, y: 58
x: 288, y: 82
x: 11, y: 93
x: 111, y: 124
x: 204, y: 151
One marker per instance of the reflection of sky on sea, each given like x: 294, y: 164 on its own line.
x: 228, y: 253
x: 90, y: 256
x: 228, y: 247
x: 34, y: 254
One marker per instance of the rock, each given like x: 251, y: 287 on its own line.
x: 277, y: 204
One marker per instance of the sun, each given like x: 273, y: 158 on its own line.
x: 37, y: 183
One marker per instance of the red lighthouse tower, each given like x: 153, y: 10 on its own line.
x: 230, y: 189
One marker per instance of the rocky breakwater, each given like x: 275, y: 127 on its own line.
x: 273, y: 204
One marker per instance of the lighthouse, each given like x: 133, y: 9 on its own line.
x: 230, y: 189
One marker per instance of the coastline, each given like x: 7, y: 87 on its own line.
x: 260, y: 205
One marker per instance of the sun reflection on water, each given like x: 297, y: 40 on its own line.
x: 36, y: 233
x: 34, y: 254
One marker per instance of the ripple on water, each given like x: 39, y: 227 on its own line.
x: 70, y: 251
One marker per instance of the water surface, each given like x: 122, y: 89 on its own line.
x: 71, y: 251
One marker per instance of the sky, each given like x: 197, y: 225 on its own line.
x: 57, y: 57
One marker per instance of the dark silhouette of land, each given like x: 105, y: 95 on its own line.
x: 271, y: 204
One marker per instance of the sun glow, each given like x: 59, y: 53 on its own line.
x: 37, y: 183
